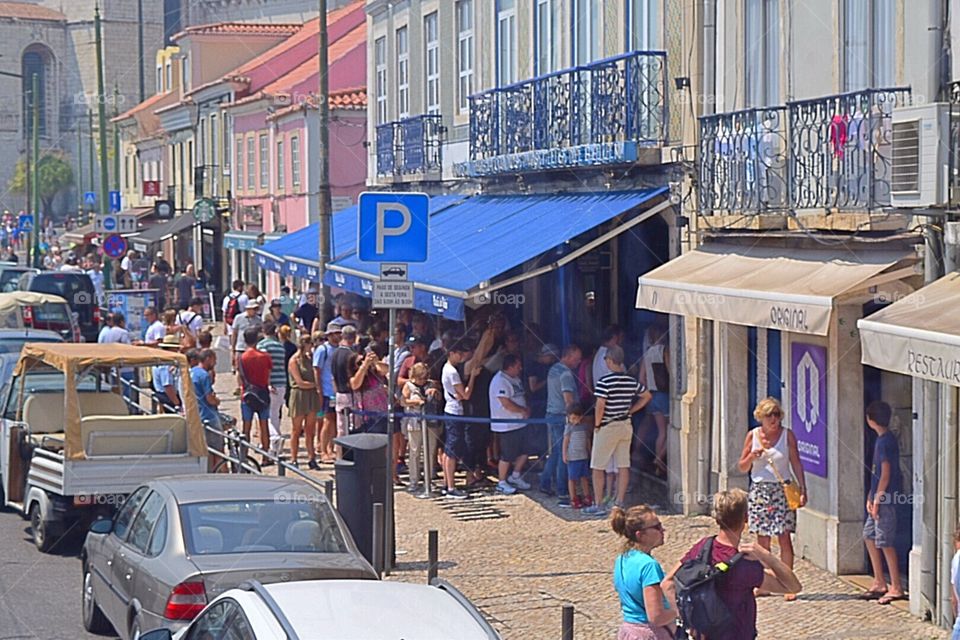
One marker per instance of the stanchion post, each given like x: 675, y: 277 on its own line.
x: 281, y: 467
x: 432, y: 552
x: 567, y: 629
x: 328, y: 490
x: 427, y: 461
x: 378, y: 546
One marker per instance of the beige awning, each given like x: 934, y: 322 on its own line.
x: 761, y: 287
x: 918, y: 335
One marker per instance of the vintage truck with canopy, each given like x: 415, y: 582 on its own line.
x: 72, y: 446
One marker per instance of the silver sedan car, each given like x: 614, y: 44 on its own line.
x: 179, y: 542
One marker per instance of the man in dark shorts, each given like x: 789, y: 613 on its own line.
x: 507, y: 401
x: 455, y: 393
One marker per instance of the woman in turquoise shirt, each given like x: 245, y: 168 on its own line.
x: 647, y: 614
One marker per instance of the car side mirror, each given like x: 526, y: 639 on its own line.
x: 157, y: 634
x: 102, y: 526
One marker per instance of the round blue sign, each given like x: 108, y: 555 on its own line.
x: 109, y: 223
x: 114, y: 246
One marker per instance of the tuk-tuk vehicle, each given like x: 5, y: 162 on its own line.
x: 72, y: 447
x: 31, y: 310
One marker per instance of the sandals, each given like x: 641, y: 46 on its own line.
x: 873, y: 594
x: 887, y: 599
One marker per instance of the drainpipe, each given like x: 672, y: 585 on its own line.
x: 948, y: 446
x: 931, y: 448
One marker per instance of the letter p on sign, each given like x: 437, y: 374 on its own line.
x: 392, y: 227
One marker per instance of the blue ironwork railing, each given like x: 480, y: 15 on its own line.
x: 743, y: 162
x: 841, y: 148
x: 410, y: 146
x: 619, y: 99
x: 832, y: 152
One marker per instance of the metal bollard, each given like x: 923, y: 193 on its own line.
x: 427, y: 460
x: 433, y: 544
x: 378, y: 538
x: 567, y: 624
x: 281, y: 466
x: 242, y: 454
x: 328, y: 490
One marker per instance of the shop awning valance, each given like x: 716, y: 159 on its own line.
x: 918, y: 335
x: 761, y: 287
x: 148, y: 237
x: 241, y: 240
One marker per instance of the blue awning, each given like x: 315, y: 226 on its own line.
x: 241, y: 240
x: 487, y: 236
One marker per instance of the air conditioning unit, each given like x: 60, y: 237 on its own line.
x: 920, y: 156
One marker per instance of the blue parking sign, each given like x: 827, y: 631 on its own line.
x: 115, y: 202
x: 392, y: 227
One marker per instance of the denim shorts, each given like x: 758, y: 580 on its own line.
x: 882, y: 529
x: 455, y: 440
x: 577, y: 469
x: 247, y: 412
x: 659, y: 403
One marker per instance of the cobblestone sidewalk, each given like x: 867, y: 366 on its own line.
x: 520, y: 560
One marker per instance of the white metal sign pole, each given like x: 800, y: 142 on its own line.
x: 388, y: 552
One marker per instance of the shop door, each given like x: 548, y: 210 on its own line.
x: 764, y: 369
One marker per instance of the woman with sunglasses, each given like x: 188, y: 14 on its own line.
x: 769, y: 453
x: 647, y: 614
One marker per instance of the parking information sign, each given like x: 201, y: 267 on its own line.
x: 393, y: 295
x: 392, y: 227
x: 115, y: 223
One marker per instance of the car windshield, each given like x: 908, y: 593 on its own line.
x: 65, y: 285
x: 9, y: 280
x: 298, y: 524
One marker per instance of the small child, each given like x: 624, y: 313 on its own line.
x: 576, y: 455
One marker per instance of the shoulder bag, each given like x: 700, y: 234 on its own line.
x: 790, y: 489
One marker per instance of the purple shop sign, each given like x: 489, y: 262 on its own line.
x: 808, y: 389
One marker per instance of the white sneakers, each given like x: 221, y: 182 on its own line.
x: 518, y: 482
x: 506, y: 488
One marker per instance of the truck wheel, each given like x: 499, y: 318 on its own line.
x: 41, y: 537
x: 93, y: 619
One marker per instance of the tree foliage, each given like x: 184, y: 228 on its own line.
x: 54, y: 174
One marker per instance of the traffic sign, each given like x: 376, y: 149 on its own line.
x: 115, y: 201
x: 115, y: 223
x: 392, y: 295
x: 25, y: 222
x: 90, y: 198
x: 393, y: 271
x: 392, y: 227
x: 114, y: 245
x: 204, y: 210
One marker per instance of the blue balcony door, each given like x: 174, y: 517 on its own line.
x: 506, y: 42
x: 764, y: 370
x: 644, y: 25
x: 586, y: 29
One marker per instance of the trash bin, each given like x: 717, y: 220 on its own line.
x: 361, y: 479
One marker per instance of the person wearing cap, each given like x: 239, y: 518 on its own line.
x: 536, y: 371
x: 308, y: 311
x: 561, y: 396
x: 162, y: 265
x: 323, y: 374
x: 619, y: 396
x: 278, y: 381
x: 249, y: 319
x: 166, y: 378
x: 287, y: 302
x: 275, y: 313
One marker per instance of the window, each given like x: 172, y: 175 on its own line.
x: 380, y: 53
x: 223, y: 621
x: 762, y: 55
x: 264, y: 161
x: 169, y: 74
x: 214, y: 141
x: 547, y: 36
x: 239, y: 180
x: 403, y: 72
x: 464, y: 54
x: 159, y: 538
x: 185, y: 73
x: 868, y: 44
x: 506, y: 42
x: 126, y: 173
x: 121, y: 525
x: 191, y: 161
x: 295, y: 160
x: 251, y: 164
x: 143, y: 525
x: 160, y: 87
x: 431, y: 63
x: 587, y: 24
x: 281, y: 178
x: 645, y: 25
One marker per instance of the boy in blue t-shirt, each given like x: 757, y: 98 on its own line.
x: 576, y: 455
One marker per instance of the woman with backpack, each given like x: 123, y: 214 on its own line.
x: 647, y: 613
x: 713, y: 585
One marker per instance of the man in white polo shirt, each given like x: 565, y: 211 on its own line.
x: 507, y: 401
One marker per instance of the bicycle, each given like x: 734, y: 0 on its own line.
x: 235, y: 461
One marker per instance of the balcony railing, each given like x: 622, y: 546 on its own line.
x: 599, y: 113
x: 743, y: 162
x: 840, y: 149
x: 831, y: 153
x: 409, y: 147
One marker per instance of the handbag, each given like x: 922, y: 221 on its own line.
x: 790, y: 488
x: 257, y: 398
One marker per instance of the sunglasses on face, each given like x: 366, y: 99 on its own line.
x: 774, y: 414
x: 658, y: 526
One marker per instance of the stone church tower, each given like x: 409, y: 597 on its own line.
x: 284, y: 11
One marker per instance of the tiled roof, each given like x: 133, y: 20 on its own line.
x: 349, y: 99
x: 143, y: 106
x: 25, y: 11
x: 148, y: 122
x: 240, y: 28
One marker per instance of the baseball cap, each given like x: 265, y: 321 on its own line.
x: 252, y: 304
x: 275, y: 302
x: 550, y: 349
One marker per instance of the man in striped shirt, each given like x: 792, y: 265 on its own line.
x: 271, y: 346
x: 619, y: 396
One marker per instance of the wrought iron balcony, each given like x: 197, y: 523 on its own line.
x: 595, y: 114
x: 409, y: 147
x: 743, y: 161
x: 840, y: 149
x: 831, y: 153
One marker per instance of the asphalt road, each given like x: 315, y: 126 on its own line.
x: 39, y: 593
